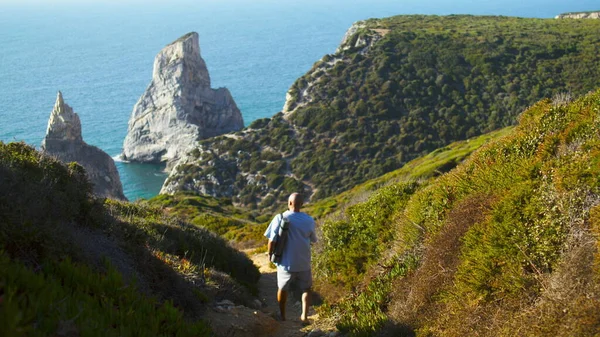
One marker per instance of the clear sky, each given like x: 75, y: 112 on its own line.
x: 527, y: 8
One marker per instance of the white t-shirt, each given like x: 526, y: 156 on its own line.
x: 296, y: 253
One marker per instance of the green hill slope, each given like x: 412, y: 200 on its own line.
x: 241, y: 227
x: 74, y: 265
x: 423, y: 168
x: 397, y: 89
x: 505, y: 244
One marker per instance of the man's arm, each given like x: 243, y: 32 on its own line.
x: 270, y: 247
x: 271, y: 234
x: 313, y: 235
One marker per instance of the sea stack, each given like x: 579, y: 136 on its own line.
x: 179, y: 107
x: 64, y: 141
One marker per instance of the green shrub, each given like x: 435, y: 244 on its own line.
x: 173, y: 236
x: 363, y: 313
x: 520, y: 243
x: 48, y: 217
x: 351, y: 245
x: 39, y: 187
x: 70, y: 298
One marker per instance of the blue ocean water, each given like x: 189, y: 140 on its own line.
x: 100, y: 55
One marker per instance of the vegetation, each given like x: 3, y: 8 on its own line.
x: 366, y: 214
x: 505, y: 242
x: 423, y: 168
x: 358, y: 240
x: 71, y: 264
x: 67, y: 298
x: 218, y: 215
x: 398, y: 89
x: 244, y: 227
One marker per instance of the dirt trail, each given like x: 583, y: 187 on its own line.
x: 240, y: 321
x: 292, y: 327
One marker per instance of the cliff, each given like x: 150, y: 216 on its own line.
x: 64, y: 141
x: 396, y: 88
x: 179, y: 107
x: 359, y: 37
x: 579, y: 15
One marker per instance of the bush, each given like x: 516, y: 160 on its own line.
x: 49, y: 218
x: 70, y: 298
x: 351, y: 245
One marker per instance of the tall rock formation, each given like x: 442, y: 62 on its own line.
x: 64, y: 141
x: 178, y: 107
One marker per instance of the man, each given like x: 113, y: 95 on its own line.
x: 295, y: 260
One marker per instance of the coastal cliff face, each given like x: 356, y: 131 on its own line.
x: 397, y: 88
x: 358, y: 37
x: 64, y: 141
x: 582, y: 15
x: 179, y: 107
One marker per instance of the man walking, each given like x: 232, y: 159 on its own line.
x: 295, y: 260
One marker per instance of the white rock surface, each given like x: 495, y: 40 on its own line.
x: 348, y: 36
x: 64, y: 124
x: 179, y: 107
x: 583, y: 15
x: 64, y: 141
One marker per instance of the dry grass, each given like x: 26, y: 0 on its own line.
x: 572, y: 295
x: 381, y: 31
x: 562, y: 98
x: 415, y: 297
x: 570, y: 304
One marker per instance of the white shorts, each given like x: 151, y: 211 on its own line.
x: 302, y: 279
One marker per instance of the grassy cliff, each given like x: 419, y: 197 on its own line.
x: 504, y: 244
x: 396, y: 89
x: 71, y: 264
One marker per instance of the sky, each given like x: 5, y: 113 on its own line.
x: 528, y: 8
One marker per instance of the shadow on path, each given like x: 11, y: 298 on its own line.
x: 292, y: 327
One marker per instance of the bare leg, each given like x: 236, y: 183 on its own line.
x: 305, y: 305
x: 282, y: 298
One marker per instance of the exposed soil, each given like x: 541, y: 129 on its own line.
x: 240, y: 321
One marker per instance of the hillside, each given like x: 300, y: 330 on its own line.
x: 396, y: 89
x: 505, y: 244
x: 241, y: 227
x: 74, y: 265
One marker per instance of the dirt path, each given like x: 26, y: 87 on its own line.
x: 240, y: 321
x: 292, y: 327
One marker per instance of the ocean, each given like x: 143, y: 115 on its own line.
x: 99, y: 53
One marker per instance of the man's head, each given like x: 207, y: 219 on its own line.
x: 295, y: 202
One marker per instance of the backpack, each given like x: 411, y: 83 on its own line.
x: 282, y: 236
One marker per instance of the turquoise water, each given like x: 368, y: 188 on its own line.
x: 100, y: 55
